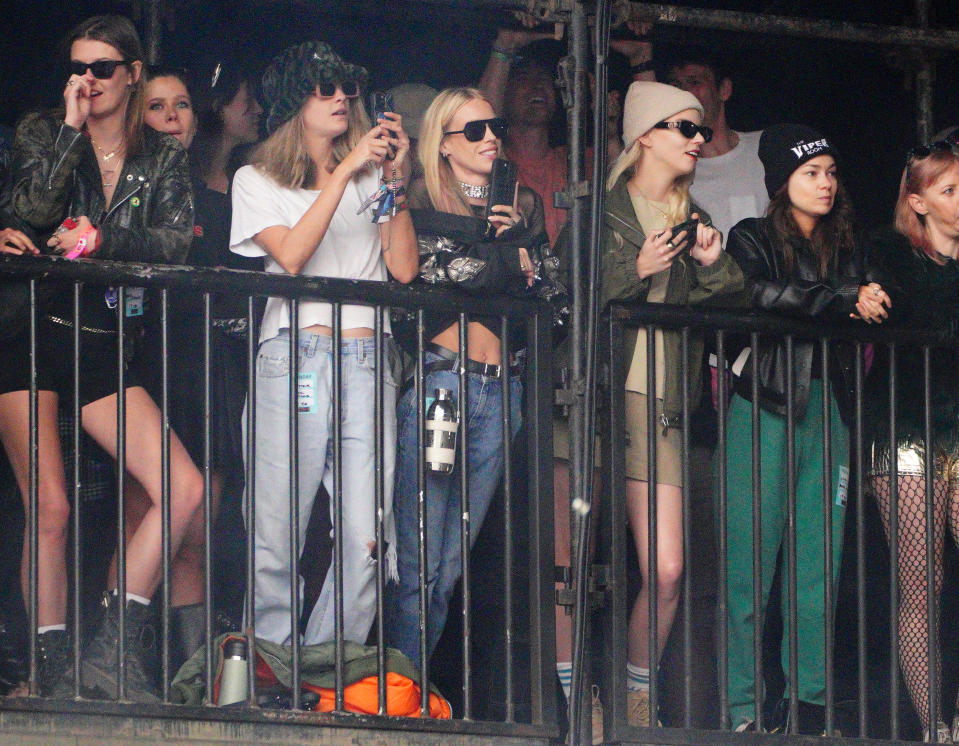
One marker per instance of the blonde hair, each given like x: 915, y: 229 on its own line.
x: 283, y: 155
x: 678, y: 200
x: 437, y: 172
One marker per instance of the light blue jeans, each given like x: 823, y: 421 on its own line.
x: 444, y: 567
x: 315, y: 448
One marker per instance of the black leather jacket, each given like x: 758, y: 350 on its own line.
x: 803, y: 294
x: 54, y: 174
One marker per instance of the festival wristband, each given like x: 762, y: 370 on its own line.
x: 80, y: 247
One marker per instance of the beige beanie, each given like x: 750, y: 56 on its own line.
x: 648, y: 103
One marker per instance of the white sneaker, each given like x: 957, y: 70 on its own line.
x: 942, y: 734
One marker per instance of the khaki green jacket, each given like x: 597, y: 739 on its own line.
x: 689, y: 283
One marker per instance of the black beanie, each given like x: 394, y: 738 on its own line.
x: 785, y: 147
x: 295, y: 73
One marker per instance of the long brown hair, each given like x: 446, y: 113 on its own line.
x: 832, y: 238
x: 920, y: 174
x: 120, y: 33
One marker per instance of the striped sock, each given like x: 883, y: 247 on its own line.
x: 636, y: 678
x: 565, y: 672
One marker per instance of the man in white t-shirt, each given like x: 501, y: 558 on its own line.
x: 729, y: 176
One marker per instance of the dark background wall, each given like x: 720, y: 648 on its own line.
x: 857, y: 94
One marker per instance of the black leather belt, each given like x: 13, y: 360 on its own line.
x: 490, y: 370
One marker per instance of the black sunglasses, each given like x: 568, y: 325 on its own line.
x: 350, y: 88
x: 924, y: 151
x: 101, y: 69
x: 687, y: 129
x: 475, y: 131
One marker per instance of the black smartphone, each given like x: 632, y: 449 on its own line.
x: 380, y: 103
x: 502, y: 184
x: 690, y: 227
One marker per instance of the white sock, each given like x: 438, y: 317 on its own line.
x: 135, y: 597
x: 564, y: 670
x: 51, y: 628
x: 637, y: 679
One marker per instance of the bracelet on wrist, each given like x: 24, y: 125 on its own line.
x: 503, y: 54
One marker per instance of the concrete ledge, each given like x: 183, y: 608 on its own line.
x: 31, y: 722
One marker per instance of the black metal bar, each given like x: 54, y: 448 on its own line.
x: 827, y: 503
x: 209, y: 670
x: 687, y: 543
x: 652, y: 513
x: 294, y: 516
x: 791, y: 584
x: 465, y: 517
x: 422, y: 485
x: 757, y: 529
x: 579, y: 480
x: 379, y: 498
x: 539, y: 449
x: 861, y: 659
x: 165, y: 548
x: 506, y: 382
x: 932, y: 605
x: 722, y: 603
x: 338, y: 612
x: 893, y: 552
x: 767, y: 24
x: 249, y: 499
x: 121, y: 492
x: 78, y: 509
x: 33, y: 519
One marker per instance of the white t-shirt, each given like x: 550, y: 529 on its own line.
x: 730, y: 186
x: 350, y: 249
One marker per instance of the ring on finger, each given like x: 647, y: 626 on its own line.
x: 876, y: 291
x: 70, y: 82
x: 670, y: 245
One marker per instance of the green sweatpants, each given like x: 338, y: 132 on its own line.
x: 810, y: 532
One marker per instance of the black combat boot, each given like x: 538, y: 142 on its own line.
x: 53, y: 660
x: 99, y: 669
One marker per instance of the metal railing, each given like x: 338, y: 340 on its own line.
x: 524, y: 316
x: 687, y: 725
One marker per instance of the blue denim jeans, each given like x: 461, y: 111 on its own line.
x: 315, y: 449
x: 484, y: 428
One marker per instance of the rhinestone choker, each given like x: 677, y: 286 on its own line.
x: 474, y: 191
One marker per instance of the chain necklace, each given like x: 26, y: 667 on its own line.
x: 106, y: 174
x: 474, y: 191
x: 649, y: 201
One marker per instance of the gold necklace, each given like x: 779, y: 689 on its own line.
x: 649, y: 201
x: 107, y: 156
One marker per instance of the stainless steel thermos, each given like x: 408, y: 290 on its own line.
x: 441, y: 427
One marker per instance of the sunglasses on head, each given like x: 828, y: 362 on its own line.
x: 687, y: 129
x: 924, y: 151
x: 475, y: 131
x: 350, y: 88
x: 101, y: 69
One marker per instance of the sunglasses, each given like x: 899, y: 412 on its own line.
x: 101, y: 69
x: 687, y: 129
x: 350, y: 88
x: 476, y: 130
x: 924, y: 151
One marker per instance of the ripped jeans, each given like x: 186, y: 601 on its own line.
x: 315, y: 451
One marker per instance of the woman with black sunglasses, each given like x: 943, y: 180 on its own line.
x: 460, y: 246
x: 645, y: 260
x: 304, y: 205
x: 918, y: 256
x: 91, y: 181
x: 802, y: 259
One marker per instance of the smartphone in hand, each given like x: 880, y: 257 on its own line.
x: 502, y: 184
x: 690, y: 227
x: 380, y: 103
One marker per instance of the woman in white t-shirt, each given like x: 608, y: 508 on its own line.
x: 301, y: 204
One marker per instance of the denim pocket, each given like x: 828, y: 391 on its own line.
x: 272, y: 366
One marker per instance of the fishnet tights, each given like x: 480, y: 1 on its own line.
x: 913, y: 632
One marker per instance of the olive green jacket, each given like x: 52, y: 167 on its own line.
x: 689, y: 283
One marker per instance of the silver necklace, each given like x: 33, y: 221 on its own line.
x: 474, y: 191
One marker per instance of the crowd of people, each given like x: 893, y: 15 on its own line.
x: 287, y: 173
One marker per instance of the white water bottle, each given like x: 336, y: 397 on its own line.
x: 233, y: 677
x: 441, y: 427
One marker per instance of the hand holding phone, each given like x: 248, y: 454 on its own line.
x: 689, y: 240
x: 380, y: 103
x: 502, y: 191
